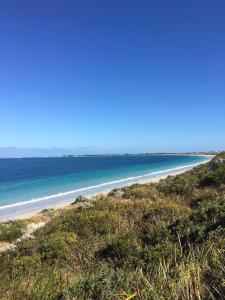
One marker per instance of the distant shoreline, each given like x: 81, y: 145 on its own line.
x: 117, y: 155
x: 26, y: 209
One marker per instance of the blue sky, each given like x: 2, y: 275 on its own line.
x: 113, y: 76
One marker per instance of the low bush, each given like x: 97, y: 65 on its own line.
x: 123, y: 250
x: 10, y: 231
x: 138, y: 192
x: 55, y: 248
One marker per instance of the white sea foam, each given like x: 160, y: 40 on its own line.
x: 105, y: 184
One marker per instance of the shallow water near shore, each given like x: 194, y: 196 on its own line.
x: 33, y: 184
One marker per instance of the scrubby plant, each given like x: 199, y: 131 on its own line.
x: 138, y: 192
x: 10, y: 231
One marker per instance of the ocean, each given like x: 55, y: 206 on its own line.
x: 32, y: 184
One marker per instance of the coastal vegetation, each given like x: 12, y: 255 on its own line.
x: 10, y: 231
x: 148, y: 241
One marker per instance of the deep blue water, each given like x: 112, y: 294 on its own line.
x: 32, y: 178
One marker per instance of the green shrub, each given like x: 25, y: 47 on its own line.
x: 219, y: 175
x: 10, y: 231
x: 178, y: 185
x: 123, y: 250
x: 200, y: 224
x: 139, y: 191
x: 205, y: 197
x: 55, y: 248
x: 90, y: 222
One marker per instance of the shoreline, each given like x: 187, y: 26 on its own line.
x: 15, y: 211
x: 29, y: 215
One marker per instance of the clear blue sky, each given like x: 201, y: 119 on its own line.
x: 113, y: 76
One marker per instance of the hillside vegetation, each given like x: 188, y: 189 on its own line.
x: 152, y: 241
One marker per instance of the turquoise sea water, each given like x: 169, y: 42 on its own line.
x: 36, y: 183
